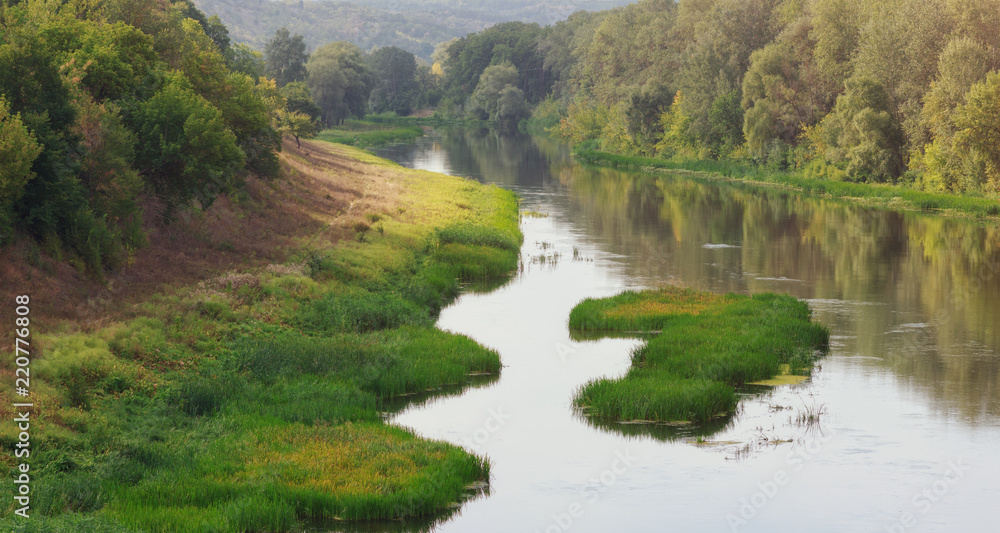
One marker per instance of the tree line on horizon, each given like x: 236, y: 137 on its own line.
x: 416, y: 26
x: 903, y: 91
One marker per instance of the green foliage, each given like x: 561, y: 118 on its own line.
x: 18, y: 150
x: 125, y: 99
x: 299, y: 99
x: 978, y: 124
x: 863, y: 133
x: 396, y: 88
x: 115, y: 60
x: 513, y: 43
x: 340, y: 81
x: 243, y: 59
x: 185, y: 147
x: 496, y: 98
x: 285, y: 58
x: 483, y: 103
x: 627, y: 51
x: 546, y: 116
x: 585, y: 120
x: 783, y: 92
x: 677, y: 139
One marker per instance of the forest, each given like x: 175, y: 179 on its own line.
x: 414, y: 26
x: 904, y: 92
x: 118, y: 114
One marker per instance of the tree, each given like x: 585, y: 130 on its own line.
x: 299, y: 99
x: 899, y: 49
x: 978, y: 124
x: 340, y: 81
x: 963, y: 63
x: 836, y: 30
x: 396, y: 87
x: 18, y: 150
x: 298, y: 125
x: 285, y: 58
x: 513, y: 42
x: 241, y: 58
x: 484, y: 102
x: 630, y: 48
x: 863, y: 133
x: 185, y: 147
x: 715, y: 63
x: 218, y: 32
x: 783, y: 91
x: 114, y: 59
x: 235, y: 95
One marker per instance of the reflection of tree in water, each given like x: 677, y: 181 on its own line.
x: 919, y: 291
x: 509, y: 160
x: 932, y: 280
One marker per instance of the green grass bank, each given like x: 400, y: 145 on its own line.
x: 883, y: 195
x: 702, y: 347
x: 365, y: 134
x: 254, y: 401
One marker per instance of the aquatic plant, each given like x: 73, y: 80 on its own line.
x: 704, y: 346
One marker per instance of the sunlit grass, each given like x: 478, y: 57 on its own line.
x: 254, y: 401
x: 706, y: 346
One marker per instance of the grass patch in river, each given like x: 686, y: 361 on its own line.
x: 706, y: 346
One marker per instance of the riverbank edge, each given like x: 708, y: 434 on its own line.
x: 698, y: 351
x: 170, y: 347
x: 875, y: 195
x: 370, y: 137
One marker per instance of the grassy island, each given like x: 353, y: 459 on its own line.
x: 702, y: 347
x: 236, y: 377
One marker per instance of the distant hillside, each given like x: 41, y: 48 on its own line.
x: 416, y: 26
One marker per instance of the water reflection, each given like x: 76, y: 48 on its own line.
x: 928, y: 284
x: 910, y: 382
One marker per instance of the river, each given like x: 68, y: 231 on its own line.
x: 908, y: 396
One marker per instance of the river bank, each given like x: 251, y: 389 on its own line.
x: 877, y: 195
x: 247, y: 390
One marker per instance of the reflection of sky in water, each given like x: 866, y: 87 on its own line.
x: 910, y: 383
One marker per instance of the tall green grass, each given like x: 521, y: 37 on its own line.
x: 232, y: 410
x: 706, y: 346
x: 883, y: 194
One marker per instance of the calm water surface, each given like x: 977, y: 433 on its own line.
x: 909, y: 391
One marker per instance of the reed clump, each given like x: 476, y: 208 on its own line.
x: 703, y: 347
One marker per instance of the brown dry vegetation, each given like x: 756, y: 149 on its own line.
x: 321, y: 198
